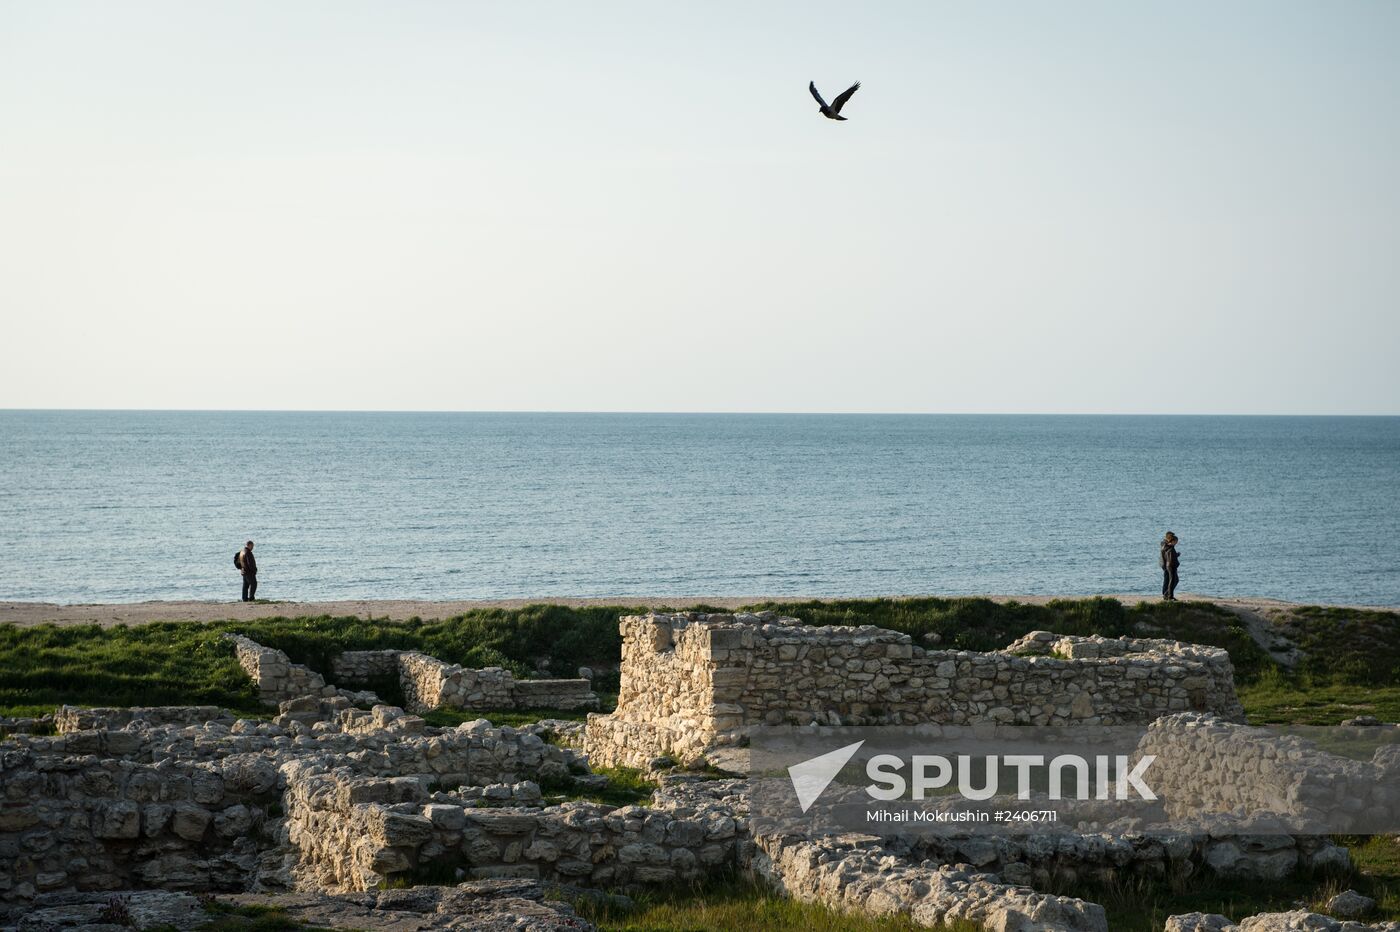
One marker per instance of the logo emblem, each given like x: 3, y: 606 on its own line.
x: 815, y: 774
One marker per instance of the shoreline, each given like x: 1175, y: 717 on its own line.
x: 26, y: 614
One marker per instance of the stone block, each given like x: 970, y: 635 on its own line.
x: 117, y: 820
x: 190, y: 821
x: 445, y: 817
x: 399, y: 829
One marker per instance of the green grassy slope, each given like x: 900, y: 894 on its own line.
x: 1351, y: 665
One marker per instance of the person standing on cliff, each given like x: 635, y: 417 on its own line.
x: 1170, y: 561
x: 249, y: 566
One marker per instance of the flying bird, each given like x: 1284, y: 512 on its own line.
x: 832, y: 111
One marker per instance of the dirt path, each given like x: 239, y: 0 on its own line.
x: 1255, y: 611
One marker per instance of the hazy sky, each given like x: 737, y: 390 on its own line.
x: 1060, y: 207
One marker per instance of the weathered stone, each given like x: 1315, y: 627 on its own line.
x: 712, y: 678
x: 190, y: 821
x: 1350, y: 905
x: 117, y: 820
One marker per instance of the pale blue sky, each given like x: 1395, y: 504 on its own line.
x: 1058, y: 207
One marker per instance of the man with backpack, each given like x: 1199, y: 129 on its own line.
x: 1170, y: 561
x: 244, y: 561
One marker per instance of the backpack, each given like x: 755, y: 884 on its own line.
x: 238, y: 559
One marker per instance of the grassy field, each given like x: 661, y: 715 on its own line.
x: 1352, y: 663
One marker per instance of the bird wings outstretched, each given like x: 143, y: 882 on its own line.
x: 841, y: 98
x: 812, y: 86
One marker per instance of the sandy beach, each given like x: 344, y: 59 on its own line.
x: 34, y: 613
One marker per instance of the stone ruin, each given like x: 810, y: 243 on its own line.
x: 427, y: 682
x: 372, y: 818
x: 693, y: 683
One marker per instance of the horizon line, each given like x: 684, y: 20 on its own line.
x: 695, y: 413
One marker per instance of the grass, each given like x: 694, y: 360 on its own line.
x: 1353, y: 644
x: 1277, y: 698
x: 251, y: 918
x: 155, y: 664
x: 735, y: 904
x: 626, y: 787
x: 555, y: 638
x: 1352, y: 667
x: 1377, y: 860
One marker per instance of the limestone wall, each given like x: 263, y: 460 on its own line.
x: 1226, y: 766
x: 430, y: 683
x: 553, y: 694
x: 193, y: 807
x: 26, y: 724
x: 276, y: 677
x: 693, y: 681
x: 356, y: 833
x: 72, y: 718
x: 81, y: 822
x: 854, y: 873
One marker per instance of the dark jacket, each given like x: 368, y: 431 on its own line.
x: 1170, y: 561
x: 250, y: 565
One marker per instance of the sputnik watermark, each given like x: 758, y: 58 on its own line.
x: 1180, y: 774
x: 1113, y: 777
x: 934, y: 772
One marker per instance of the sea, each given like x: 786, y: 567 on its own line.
x: 123, y: 506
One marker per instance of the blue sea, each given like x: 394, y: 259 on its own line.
x: 128, y: 506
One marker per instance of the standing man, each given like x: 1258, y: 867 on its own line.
x: 1170, y: 561
x: 249, y: 566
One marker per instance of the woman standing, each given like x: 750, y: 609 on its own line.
x: 1170, y: 561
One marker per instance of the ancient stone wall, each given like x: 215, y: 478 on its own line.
x: 553, y: 694
x: 273, y: 672
x: 194, y: 807
x: 855, y: 874
x: 72, y: 718
x: 429, y: 683
x: 692, y: 682
x: 356, y: 833
x: 79, y: 821
x: 26, y: 724
x: 1236, y: 767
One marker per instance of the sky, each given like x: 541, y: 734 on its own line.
x: 1097, y: 207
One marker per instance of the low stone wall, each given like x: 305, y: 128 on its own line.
x: 347, y: 799
x: 71, y: 718
x: 191, y: 807
x: 1297, y: 920
x: 1214, y: 690
x: 313, y: 715
x: 692, y: 682
x: 1061, y: 858
x: 82, y: 822
x: 356, y: 833
x: 1234, y: 767
x: 481, y: 904
x: 854, y: 873
x: 26, y: 725
x: 273, y: 672
x: 553, y: 694
x: 429, y: 683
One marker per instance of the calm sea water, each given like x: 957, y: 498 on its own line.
x: 125, y: 506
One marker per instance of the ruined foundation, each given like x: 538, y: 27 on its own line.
x: 333, y: 808
x: 692, y: 683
